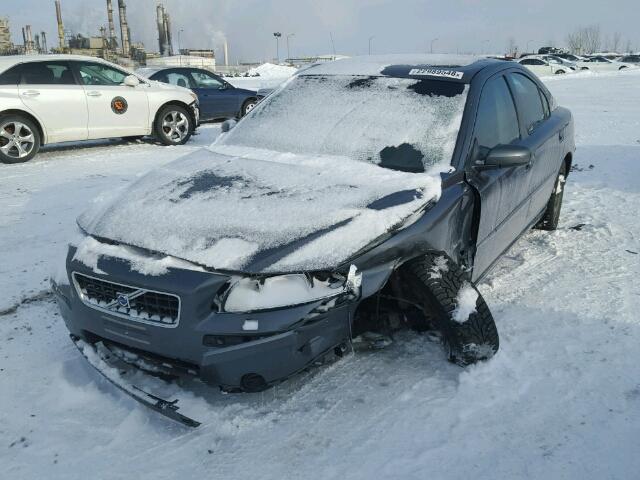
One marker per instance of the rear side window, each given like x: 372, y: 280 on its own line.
x: 11, y: 76
x: 47, y: 73
x: 497, y: 122
x: 528, y: 101
x: 205, y: 80
x: 177, y: 78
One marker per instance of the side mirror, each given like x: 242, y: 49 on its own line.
x: 227, y: 125
x: 131, y: 81
x: 504, y: 156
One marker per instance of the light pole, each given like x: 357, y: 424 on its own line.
x: 432, y: 42
x: 370, y: 38
x: 528, y: 42
x: 277, y: 35
x: 289, y: 54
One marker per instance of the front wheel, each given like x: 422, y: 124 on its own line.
x: 560, y: 72
x: 173, y: 125
x: 19, y: 139
x: 247, y: 106
x: 454, y: 307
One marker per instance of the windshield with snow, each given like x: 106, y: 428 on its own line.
x: 397, y: 123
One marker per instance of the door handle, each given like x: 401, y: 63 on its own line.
x: 94, y: 94
x: 30, y: 93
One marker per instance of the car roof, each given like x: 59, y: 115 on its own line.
x: 9, y: 61
x: 401, y: 65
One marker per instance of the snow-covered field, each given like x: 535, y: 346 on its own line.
x: 560, y: 400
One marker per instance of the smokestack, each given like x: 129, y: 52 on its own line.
x: 38, y: 48
x: 113, y: 42
x: 124, y: 28
x: 60, y: 25
x: 167, y: 28
x: 24, y: 38
x: 28, y: 45
x: 226, y: 53
x: 43, y: 36
x: 161, y: 33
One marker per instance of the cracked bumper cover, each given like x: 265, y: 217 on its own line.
x: 211, y: 344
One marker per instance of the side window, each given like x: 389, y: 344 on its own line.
x: 205, y: 80
x: 539, y: 62
x: 527, y: 62
x: 47, y: 73
x: 99, y: 74
x: 11, y: 76
x: 545, y: 104
x: 177, y: 78
x: 528, y: 101
x: 496, y: 122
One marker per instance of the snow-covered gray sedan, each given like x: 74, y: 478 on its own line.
x: 365, y: 195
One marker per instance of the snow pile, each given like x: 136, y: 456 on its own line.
x: 439, y: 266
x: 269, y: 70
x: 465, y: 303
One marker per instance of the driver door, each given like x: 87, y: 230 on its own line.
x: 504, y: 192
x: 115, y: 110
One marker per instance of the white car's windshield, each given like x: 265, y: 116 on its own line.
x: 399, y: 123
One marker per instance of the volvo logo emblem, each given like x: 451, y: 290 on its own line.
x: 123, y: 300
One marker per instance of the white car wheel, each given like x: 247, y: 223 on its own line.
x: 19, y: 139
x: 173, y: 125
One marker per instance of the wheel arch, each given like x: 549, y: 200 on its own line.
x: 16, y: 111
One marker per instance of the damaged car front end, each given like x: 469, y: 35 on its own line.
x: 349, y: 192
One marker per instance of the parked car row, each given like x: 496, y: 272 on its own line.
x: 60, y: 98
x: 561, y: 63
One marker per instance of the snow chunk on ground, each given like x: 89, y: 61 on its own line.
x: 466, y: 303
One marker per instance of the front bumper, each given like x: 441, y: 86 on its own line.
x: 205, y: 342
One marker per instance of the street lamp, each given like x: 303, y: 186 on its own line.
x: 370, y: 38
x: 528, y: 42
x: 288, y: 54
x: 277, y: 35
x: 432, y: 42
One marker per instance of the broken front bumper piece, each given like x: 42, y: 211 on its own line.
x: 116, y: 371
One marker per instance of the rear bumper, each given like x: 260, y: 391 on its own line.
x: 207, y: 343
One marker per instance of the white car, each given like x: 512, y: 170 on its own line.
x: 599, y: 63
x: 59, y: 98
x: 543, y: 67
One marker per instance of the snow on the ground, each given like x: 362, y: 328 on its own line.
x: 270, y: 70
x: 560, y: 400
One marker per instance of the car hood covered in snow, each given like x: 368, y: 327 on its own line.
x: 259, y: 211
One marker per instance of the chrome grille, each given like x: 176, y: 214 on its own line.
x: 139, y: 304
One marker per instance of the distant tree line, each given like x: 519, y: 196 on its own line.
x: 589, y: 39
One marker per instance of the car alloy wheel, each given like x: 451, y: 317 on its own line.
x: 16, y: 139
x: 175, y: 126
x: 248, y: 107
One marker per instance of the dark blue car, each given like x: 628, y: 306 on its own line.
x: 218, y: 98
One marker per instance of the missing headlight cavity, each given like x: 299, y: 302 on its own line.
x: 250, y: 294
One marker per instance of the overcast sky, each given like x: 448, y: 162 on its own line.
x: 397, y: 26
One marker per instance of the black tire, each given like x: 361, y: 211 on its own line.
x: 14, y: 144
x: 133, y: 138
x: 584, y: 68
x: 173, y: 125
x: 560, y: 72
x: 468, y: 341
x: 247, y: 106
x: 551, y: 217
x: 622, y: 67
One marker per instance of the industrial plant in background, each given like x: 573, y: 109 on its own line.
x: 108, y: 45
